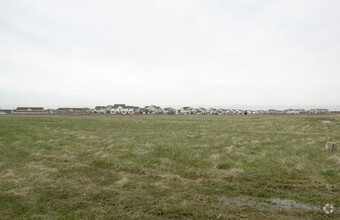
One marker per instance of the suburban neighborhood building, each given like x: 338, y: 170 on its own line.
x: 143, y: 111
x: 169, y: 111
x: 100, y: 110
x: 292, y: 111
x: 186, y: 111
x: 153, y: 109
x: 73, y: 110
x: 201, y: 111
x: 6, y: 111
x: 212, y: 111
x: 29, y: 110
x: 273, y: 112
x: 122, y: 109
x: 318, y: 111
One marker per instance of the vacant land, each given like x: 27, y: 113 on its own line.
x: 187, y: 167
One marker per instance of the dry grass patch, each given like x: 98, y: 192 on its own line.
x: 334, y: 159
x: 215, y: 157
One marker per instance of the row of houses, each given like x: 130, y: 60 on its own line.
x: 299, y: 111
x: 123, y: 109
x: 42, y: 111
x: 153, y: 109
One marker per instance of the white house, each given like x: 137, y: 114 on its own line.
x: 201, y: 111
x: 123, y: 109
x: 212, y: 111
x: 221, y: 111
x: 186, y: 111
x: 292, y: 111
x: 318, y: 111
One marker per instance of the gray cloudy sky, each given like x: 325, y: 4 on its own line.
x: 170, y: 53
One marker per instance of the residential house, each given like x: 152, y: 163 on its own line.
x: 71, y: 111
x: 258, y: 112
x: 212, y: 111
x: 201, y: 111
x: 6, y: 111
x: 169, y: 111
x: 29, y: 110
x: 50, y: 111
x: 318, y: 111
x: 248, y: 112
x: 123, y: 109
x: 302, y: 111
x: 228, y: 112
x: 100, y: 110
x: 292, y: 111
x: 87, y: 110
x: 221, y: 111
x: 136, y: 110
x: 143, y: 111
x: 153, y: 109
x: 186, y: 111
x: 273, y: 112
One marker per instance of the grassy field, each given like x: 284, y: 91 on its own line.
x: 152, y: 167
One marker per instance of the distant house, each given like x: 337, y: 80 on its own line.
x: 212, y: 111
x: 234, y: 111
x: 124, y: 109
x: 221, y: 111
x: 318, y: 111
x: 302, y: 111
x: 136, y: 110
x: 187, y: 111
x: 72, y: 110
x: 239, y: 112
x: 153, y: 109
x: 258, y: 112
x: 29, y: 110
x: 273, y: 112
x: 100, y: 110
x: 50, y: 111
x: 201, y: 111
x: 143, y: 111
x: 228, y: 112
x: 6, y: 111
x: 248, y: 112
x: 292, y: 111
x: 169, y: 111
x: 87, y: 110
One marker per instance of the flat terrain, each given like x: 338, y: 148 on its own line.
x: 152, y: 167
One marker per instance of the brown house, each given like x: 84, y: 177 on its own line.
x: 72, y: 110
x: 29, y: 110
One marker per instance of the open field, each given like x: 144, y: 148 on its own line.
x: 151, y: 167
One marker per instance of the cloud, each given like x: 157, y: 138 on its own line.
x: 172, y: 52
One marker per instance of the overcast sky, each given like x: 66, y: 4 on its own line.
x: 170, y: 53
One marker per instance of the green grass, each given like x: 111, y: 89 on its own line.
x: 153, y: 167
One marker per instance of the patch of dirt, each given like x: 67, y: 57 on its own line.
x: 271, y: 204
